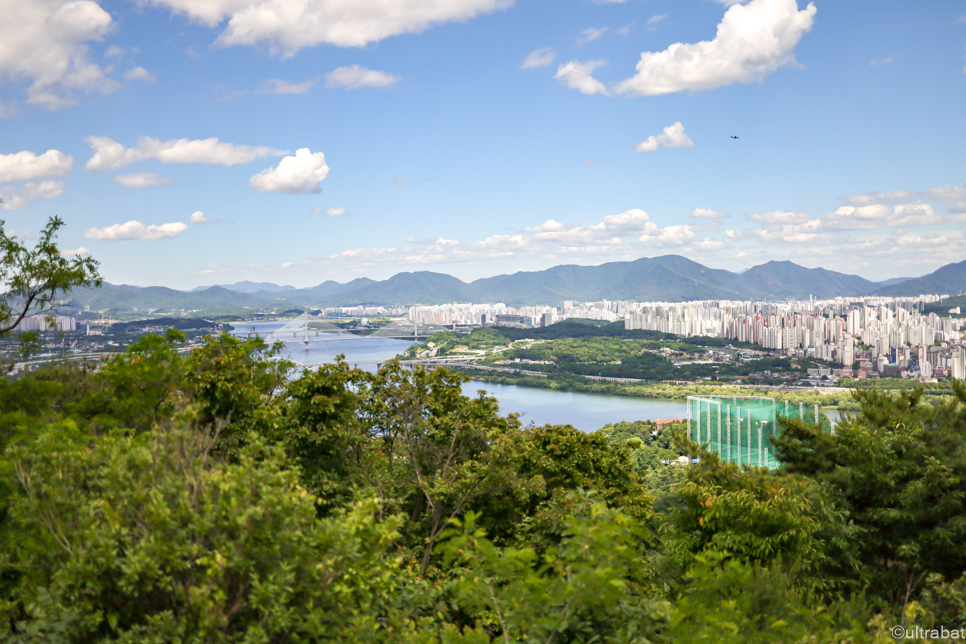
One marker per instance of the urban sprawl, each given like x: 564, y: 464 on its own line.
x: 867, y: 337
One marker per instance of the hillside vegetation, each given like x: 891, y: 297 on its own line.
x: 219, y: 496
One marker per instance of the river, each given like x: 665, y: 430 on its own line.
x: 586, y: 412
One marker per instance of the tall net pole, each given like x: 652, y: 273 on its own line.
x: 738, y: 413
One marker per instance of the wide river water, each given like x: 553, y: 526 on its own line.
x: 586, y: 412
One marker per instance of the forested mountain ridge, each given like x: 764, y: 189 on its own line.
x: 950, y: 279
x: 670, y: 278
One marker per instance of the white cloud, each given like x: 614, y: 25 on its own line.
x: 780, y: 217
x: 708, y: 244
x: 111, y: 155
x: 77, y: 252
x: 198, y: 217
x: 868, y: 199
x: 136, y: 230
x: 654, y: 21
x: 548, y: 226
x: 142, y: 180
x: 432, y: 241
x: 577, y: 75
x: 953, y: 196
x: 809, y: 232
x: 45, y: 43
x: 356, y: 77
x: 330, y: 212
x: 539, y: 58
x: 286, y: 27
x: 670, y: 236
x: 27, y: 166
x: 18, y: 199
x: 279, y: 86
x: 113, y: 51
x: 752, y: 41
x: 673, y: 136
x: 294, y: 175
x: 882, y: 61
x: 880, y: 216
x: 587, y: 35
x: 607, y: 233
x: 707, y: 213
x: 398, y: 181
x: 139, y: 73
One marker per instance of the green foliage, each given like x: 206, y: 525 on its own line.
x: 222, y: 496
x: 726, y: 600
x: 899, y: 471
x: 580, y: 590
x: 653, y: 446
x: 33, y: 279
x: 233, y: 382
x: 150, y: 538
x: 322, y: 432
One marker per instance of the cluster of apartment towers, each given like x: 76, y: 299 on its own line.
x: 886, y: 336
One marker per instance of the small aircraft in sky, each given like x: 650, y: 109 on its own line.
x: 733, y: 136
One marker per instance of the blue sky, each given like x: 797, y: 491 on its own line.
x: 479, y: 137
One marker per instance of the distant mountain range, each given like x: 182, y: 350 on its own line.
x: 670, y: 278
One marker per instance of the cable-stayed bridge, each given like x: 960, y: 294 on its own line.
x: 302, y: 330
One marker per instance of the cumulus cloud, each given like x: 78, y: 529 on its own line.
x: 286, y: 27
x: 136, y: 230
x: 27, y: 166
x: 871, y: 198
x: 609, y: 232
x: 279, y: 86
x: 294, y: 175
x: 831, y: 228
x: 139, y: 73
x: 44, y: 42
x: 752, y: 41
x: 587, y: 35
x: 880, y: 216
x: 707, y: 213
x: 953, y: 196
x: 670, y: 236
x: 577, y: 75
x: 77, y: 252
x: 548, y: 226
x: 18, y: 199
x: 539, y: 58
x: 780, y: 217
x: 198, y: 217
x: 356, y: 77
x: 673, y: 136
x: 708, y: 244
x: 111, y: 155
x: 142, y: 180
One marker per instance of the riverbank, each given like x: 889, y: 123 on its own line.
x: 838, y: 400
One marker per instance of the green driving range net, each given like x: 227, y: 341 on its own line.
x: 740, y: 429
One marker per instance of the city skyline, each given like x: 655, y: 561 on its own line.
x: 189, y: 144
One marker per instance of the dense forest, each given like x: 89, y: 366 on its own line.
x: 220, y: 496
